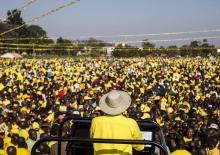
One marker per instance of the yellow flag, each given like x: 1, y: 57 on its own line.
x: 169, y: 99
x: 142, y: 90
x: 1, y: 86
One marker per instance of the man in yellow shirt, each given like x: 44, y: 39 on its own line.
x: 114, y: 125
x: 22, y: 147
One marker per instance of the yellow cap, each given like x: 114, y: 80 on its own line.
x: 35, y: 126
x: 169, y: 110
x: 145, y: 116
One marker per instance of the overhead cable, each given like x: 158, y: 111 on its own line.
x: 115, y: 36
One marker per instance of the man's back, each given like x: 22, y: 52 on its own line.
x: 115, y: 127
x: 181, y: 152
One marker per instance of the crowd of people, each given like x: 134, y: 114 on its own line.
x: 181, y: 94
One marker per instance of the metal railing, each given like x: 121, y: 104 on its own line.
x: 95, y: 140
x: 86, y: 120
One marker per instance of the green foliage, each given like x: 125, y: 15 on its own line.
x: 2, y: 27
x: 92, y: 46
x: 92, y: 42
x: 65, y: 47
x: 147, y: 44
x: 13, y: 20
x: 195, y: 48
x: 36, y: 31
x: 97, y: 53
x: 126, y: 51
x: 14, y: 17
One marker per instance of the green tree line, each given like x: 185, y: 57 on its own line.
x: 91, y: 46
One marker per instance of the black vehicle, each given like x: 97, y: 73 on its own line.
x: 80, y: 143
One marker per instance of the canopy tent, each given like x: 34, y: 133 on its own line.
x: 11, y: 55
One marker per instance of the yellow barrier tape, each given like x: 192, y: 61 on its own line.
x: 38, y: 45
x: 119, y: 42
x: 41, y: 49
x: 120, y: 49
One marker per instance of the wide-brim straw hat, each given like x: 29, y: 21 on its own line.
x: 115, y: 102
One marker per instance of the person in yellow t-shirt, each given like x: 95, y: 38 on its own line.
x: 13, y: 141
x: 114, y: 125
x: 22, y: 147
x: 189, y: 135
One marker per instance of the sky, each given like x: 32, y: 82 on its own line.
x: 119, y: 17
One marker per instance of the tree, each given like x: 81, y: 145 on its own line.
x: 148, y: 48
x: 60, y: 40
x: 147, y: 44
x: 193, y: 49
x: 13, y: 20
x: 126, y: 51
x: 2, y: 27
x: 197, y: 48
x: 195, y: 43
x: 14, y: 17
x: 36, y: 31
x: 92, y: 42
x: 185, y: 50
x: 207, y: 48
x: 172, y: 50
x: 94, y: 46
x: 65, y: 47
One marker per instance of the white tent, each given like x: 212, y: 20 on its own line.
x: 11, y: 55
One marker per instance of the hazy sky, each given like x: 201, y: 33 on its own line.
x: 113, y: 17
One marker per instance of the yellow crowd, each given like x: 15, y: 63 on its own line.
x: 36, y: 93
